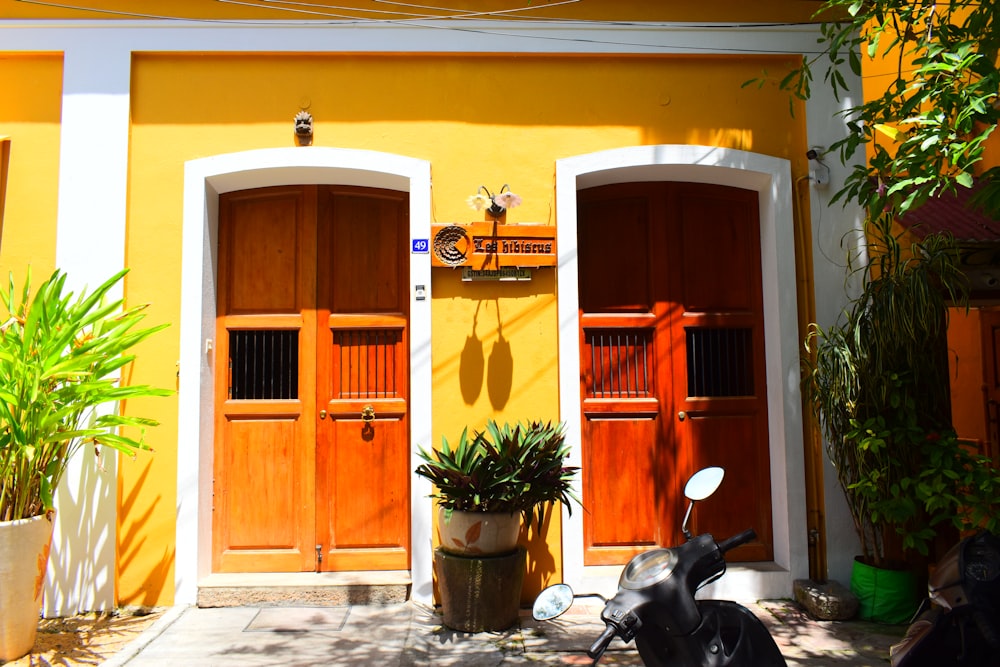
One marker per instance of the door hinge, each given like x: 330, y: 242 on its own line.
x: 319, y: 557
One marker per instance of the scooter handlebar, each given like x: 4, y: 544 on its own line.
x: 599, y: 646
x: 737, y: 540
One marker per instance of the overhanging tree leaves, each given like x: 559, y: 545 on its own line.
x: 927, y: 131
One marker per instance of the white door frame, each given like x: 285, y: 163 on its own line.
x: 771, y: 178
x: 204, y: 180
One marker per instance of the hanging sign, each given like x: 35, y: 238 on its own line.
x: 509, y: 274
x: 491, y: 245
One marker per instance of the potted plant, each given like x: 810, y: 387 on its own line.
x: 484, y: 486
x: 61, y: 360
x: 878, y: 384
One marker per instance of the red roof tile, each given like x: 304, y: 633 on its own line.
x: 951, y: 212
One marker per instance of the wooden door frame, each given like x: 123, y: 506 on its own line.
x: 771, y: 178
x: 204, y: 180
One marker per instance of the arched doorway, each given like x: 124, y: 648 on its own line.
x: 770, y: 179
x: 205, y: 180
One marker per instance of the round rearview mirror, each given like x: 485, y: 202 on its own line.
x: 552, y: 602
x: 704, y: 483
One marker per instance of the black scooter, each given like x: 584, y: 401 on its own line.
x: 959, y: 622
x: 655, y: 603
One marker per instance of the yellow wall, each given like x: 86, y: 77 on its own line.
x: 30, y: 106
x: 478, y: 120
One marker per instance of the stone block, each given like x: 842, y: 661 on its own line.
x: 827, y: 601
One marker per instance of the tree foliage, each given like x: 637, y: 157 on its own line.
x: 928, y: 129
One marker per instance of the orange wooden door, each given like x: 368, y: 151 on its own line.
x: 363, y: 520
x: 672, y: 365
x: 990, y: 329
x: 294, y: 483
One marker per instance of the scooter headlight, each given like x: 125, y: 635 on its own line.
x: 648, y: 568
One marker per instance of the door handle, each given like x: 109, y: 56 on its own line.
x: 682, y: 415
x: 322, y: 414
x: 368, y: 414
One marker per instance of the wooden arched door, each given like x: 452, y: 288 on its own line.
x: 311, y: 468
x: 672, y: 365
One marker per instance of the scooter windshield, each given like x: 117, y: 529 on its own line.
x: 648, y: 569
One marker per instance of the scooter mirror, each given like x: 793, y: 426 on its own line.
x: 704, y: 483
x: 552, y: 602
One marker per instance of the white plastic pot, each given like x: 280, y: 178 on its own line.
x: 478, y: 533
x: 24, y: 558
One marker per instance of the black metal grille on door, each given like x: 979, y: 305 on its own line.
x: 366, y: 362
x: 719, y: 362
x: 263, y: 364
x: 621, y: 363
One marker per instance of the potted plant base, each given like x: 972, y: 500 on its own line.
x: 480, y: 594
x: 24, y: 557
x: 884, y: 595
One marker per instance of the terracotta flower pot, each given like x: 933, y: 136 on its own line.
x: 24, y: 558
x: 478, y: 533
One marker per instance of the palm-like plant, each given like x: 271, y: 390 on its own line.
x: 504, y: 468
x: 879, y: 385
x: 61, y: 361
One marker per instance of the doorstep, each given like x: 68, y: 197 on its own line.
x: 303, y: 589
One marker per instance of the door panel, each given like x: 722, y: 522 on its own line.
x: 718, y: 376
x: 263, y: 502
x: 363, y: 353
x: 672, y: 364
x: 265, y: 331
x: 312, y: 328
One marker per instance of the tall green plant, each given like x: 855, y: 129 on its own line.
x: 878, y: 384
x: 61, y: 364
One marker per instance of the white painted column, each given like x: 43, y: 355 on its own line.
x: 90, y: 247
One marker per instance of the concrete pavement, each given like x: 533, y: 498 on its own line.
x: 408, y: 635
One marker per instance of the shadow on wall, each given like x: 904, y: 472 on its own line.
x: 130, y: 544
x: 81, y: 574
x: 541, y: 565
x: 498, y: 372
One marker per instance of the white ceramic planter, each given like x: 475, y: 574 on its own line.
x: 478, y: 533
x: 24, y: 558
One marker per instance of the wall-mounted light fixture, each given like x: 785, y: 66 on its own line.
x: 304, y: 128
x: 495, y: 204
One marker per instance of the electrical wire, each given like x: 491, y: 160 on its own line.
x: 350, y: 20
x: 455, y: 16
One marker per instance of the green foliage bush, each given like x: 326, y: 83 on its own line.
x: 504, y: 468
x: 61, y: 365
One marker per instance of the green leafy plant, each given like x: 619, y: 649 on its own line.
x: 504, y: 468
x: 919, y: 482
x: 927, y: 132
x: 877, y: 380
x: 61, y: 365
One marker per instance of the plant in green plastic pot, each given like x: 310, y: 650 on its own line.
x: 877, y: 380
x: 62, y: 363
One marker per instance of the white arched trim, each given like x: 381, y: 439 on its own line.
x: 771, y: 178
x: 204, y: 180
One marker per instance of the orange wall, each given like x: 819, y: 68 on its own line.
x: 30, y: 107
x: 965, y: 362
